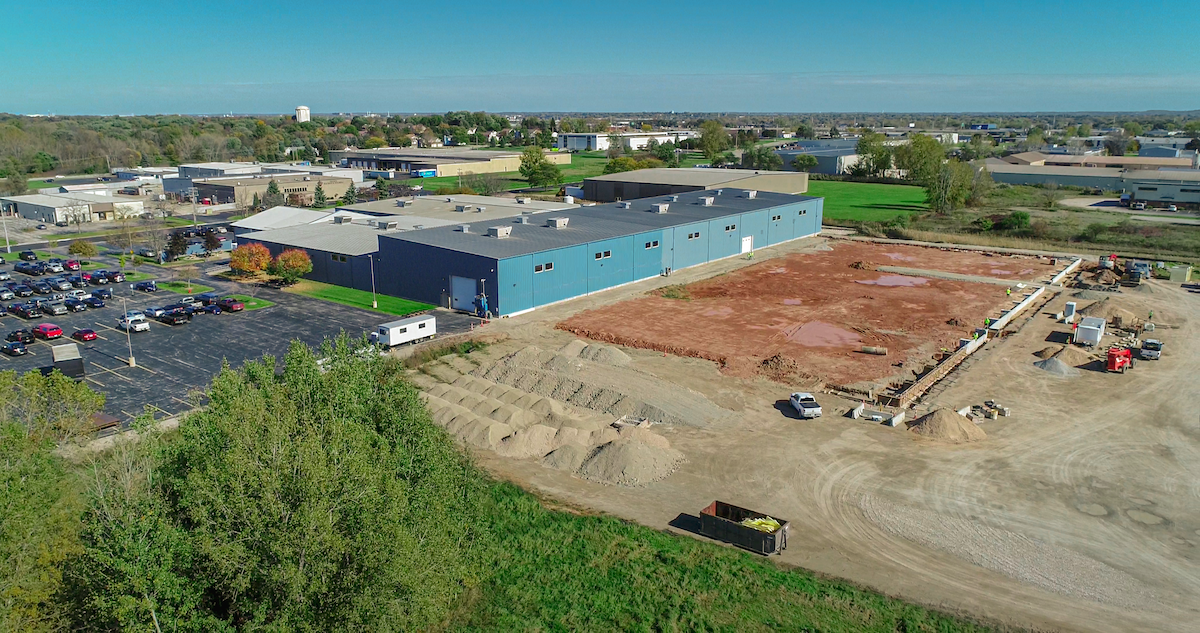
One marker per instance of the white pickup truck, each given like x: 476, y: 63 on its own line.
x: 806, y: 405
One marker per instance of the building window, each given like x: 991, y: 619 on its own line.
x: 730, y: 227
x: 653, y: 244
x: 537, y: 268
x: 1189, y: 191
x: 549, y: 265
x: 599, y: 255
x: 421, y: 325
x: 803, y: 211
x: 776, y: 218
x: 694, y: 236
x: 1147, y: 188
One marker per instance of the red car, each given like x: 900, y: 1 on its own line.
x: 229, y: 304
x: 84, y: 335
x: 72, y: 264
x: 48, y: 331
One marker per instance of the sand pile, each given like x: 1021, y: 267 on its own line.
x: 1048, y: 352
x: 574, y: 348
x: 605, y: 354
x: 1144, y: 289
x: 568, y: 457
x: 947, y: 426
x: 630, y: 462
x: 1106, y: 276
x: 863, y: 265
x: 1091, y: 295
x: 1057, y: 367
x: 1074, y: 356
x: 1107, y: 309
x: 533, y: 442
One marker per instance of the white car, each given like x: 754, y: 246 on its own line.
x: 806, y: 405
x: 79, y: 294
x: 134, y: 325
x: 134, y: 315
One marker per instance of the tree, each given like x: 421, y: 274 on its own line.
x: 351, y: 195
x: 381, y: 188
x: 804, y: 162
x: 833, y: 131
x: 1049, y: 195
x: 921, y: 157
x: 483, y: 184
x: 713, y: 139
x: 249, y: 258
x: 875, y: 158
x: 320, y: 199
x: 949, y: 188
x: 537, y: 170
x: 616, y: 146
x: 273, y: 197
x: 291, y: 265
x: 256, y: 203
x: 763, y: 158
x: 177, y: 245
x: 127, y: 234
x: 620, y: 164
x: 1015, y: 221
x: 982, y: 186
x: 1117, y: 144
x: 211, y: 243
x: 16, y: 184
x: 82, y: 249
x: 187, y: 273
x: 805, y: 131
x: 1133, y: 128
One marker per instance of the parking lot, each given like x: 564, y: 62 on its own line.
x: 172, y: 361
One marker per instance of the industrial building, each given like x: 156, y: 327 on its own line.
x: 276, y: 218
x: 1117, y: 162
x: 601, y: 141
x: 527, y: 262
x: 645, y: 183
x: 70, y: 208
x: 1180, y: 187
x: 417, y: 162
x: 830, y: 161
x: 325, y: 171
x: 296, y: 188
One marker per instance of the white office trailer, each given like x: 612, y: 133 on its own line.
x: 1089, y: 331
x: 408, y: 330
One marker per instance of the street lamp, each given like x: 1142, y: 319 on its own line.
x: 128, y: 336
x: 374, y: 301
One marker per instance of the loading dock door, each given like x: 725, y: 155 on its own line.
x: 747, y: 243
x: 462, y: 293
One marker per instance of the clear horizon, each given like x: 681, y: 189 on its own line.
x: 1020, y: 56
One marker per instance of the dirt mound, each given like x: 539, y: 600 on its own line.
x: 863, y: 265
x: 1074, y: 356
x: 956, y: 322
x: 1091, y: 295
x: 605, y: 354
x: 1105, y: 276
x: 568, y: 457
x: 573, y: 349
x: 1048, y: 352
x: 1107, y: 309
x: 533, y: 442
x: 630, y: 462
x: 1057, y: 367
x: 1144, y: 289
x: 947, y: 426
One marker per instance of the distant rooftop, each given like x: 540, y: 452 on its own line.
x: 694, y: 176
x: 277, y: 217
x: 447, y: 206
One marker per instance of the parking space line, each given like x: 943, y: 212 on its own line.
x: 112, y: 371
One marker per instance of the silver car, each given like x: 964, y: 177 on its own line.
x: 5, y: 275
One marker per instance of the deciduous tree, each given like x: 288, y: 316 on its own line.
x: 713, y: 139
x: 921, y: 157
x: 83, y: 248
x: 805, y: 162
x: 249, y: 258
x: 291, y: 265
x: 763, y: 158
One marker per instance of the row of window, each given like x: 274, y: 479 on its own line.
x: 604, y: 255
x: 540, y: 267
x: 653, y: 244
x: 730, y: 227
x: 694, y: 236
x: 338, y: 258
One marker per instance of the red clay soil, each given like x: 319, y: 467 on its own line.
x: 814, y: 308
x: 997, y: 265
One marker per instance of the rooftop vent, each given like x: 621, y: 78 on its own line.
x: 707, y: 201
x: 524, y: 200
x: 660, y: 207
x: 403, y: 203
x: 341, y: 219
x: 523, y: 220
x: 462, y: 208
x: 465, y: 228
x: 499, y: 232
x: 752, y: 194
x: 624, y: 205
x: 418, y: 226
x: 389, y: 225
x: 306, y: 178
x: 449, y: 199
x: 556, y: 223
x: 673, y: 198
x: 480, y: 209
x: 720, y: 191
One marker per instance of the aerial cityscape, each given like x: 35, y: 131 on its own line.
x: 497, y: 328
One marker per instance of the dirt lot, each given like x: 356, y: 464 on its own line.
x: 1080, y: 512
x: 816, y: 311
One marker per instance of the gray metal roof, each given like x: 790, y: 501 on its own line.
x: 345, y: 239
x: 590, y: 224
x: 696, y: 176
x: 831, y: 151
x: 279, y: 217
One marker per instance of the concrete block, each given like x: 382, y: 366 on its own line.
x: 857, y: 411
x: 895, y: 420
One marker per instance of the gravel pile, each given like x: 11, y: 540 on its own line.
x: 630, y: 462
x: 947, y: 426
x: 1091, y: 295
x: 605, y: 354
x: 1026, y: 559
x: 1074, y: 356
x: 1057, y: 368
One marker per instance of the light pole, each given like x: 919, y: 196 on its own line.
x: 128, y: 336
x: 7, y: 244
x: 194, y: 193
x: 374, y: 301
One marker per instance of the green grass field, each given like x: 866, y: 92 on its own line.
x: 583, y: 165
x: 253, y: 303
x: 40, y: 183
x: 15, y: 255
x: 867, y: 202
x: 357, y: 298
x: 181, y: 287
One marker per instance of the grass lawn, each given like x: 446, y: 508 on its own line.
x: 134, y: 277
x: 867, y: 202
x: 583, y: 165
x: 357, y: 298
x: 181, y: 287
x: 40, y: 183
x: 15, y: 255
x: 253, y: 303
x: 560, y: 571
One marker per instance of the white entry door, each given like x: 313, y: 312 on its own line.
x: 462, y: 293
x: 747, y: 243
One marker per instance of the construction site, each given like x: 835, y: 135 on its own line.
x: 1004, y: 434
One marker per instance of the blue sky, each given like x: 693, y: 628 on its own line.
x: 854, y: 55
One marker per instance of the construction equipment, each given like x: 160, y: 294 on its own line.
x: 1120, y: 359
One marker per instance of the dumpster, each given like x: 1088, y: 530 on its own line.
x: 723, y: 522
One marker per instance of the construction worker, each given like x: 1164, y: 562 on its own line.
x: 1151, y: 316
x: 1008, y: 292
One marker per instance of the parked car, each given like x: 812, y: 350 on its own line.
x: 78, y: 294
x: 78, y: 281
x: 84, y: 335
x: 99, y: 277
x: 22, y: 290
x: 229, y: 304
x: 135, y: 314
x: 154, y: 311
x: 55, y: 308
x: 42, y: 287
x: 60, y: 284
x: 75, y: 305
x: 5, y: 275
x: 209, y: 309
x: 20, y: 336
x: 54, y: 267
x: 208, y: 298
x: 146, y: 286
x: 28, y: 256
x: 3, y: 311
x: 174, y: 318
x: 41, y: 227
x: 85, y: 275
x: 94, y: 302
x: 116, y: 277
x: 133, y: 325
x: 72, y: 264
x: 7, y: 295
x: 14, y: 349
x: 28, y: 269
x: 188, y: 299
x: 102, y: 293
x: 48, y: 331
x: 148, y: 253
x: 805, y: 405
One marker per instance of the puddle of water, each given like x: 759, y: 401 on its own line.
x: 894, y: 280
x: 818, y: 334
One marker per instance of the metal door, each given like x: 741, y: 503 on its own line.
x: 462, y: 293
x: 747, y: 243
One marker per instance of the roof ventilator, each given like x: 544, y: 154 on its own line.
x: 673, y: 198
x: 341, y: 219
x: 499, y: 232
x: 708, y: 201
x: 465, y: 228
x: 660, y: 207
x: 523, y: 220
x: 524, y: 200
x: 556, y: 223
x: 480, y: 209
x: 624, y: 205
x: 462, y: 208
x: 752, y: 194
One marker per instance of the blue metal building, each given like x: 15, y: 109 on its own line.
x: 525, y: 262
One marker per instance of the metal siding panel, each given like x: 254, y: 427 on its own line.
x: 611, y: 271
x: 668, y: 249
x: 722, y: 243
x: 422, y: 273
x: 515, y: 284
x: 648, y: 262
x: 690, y: 252
x: 755, y: 224
x: 567, y: 279
x: 780, y: 230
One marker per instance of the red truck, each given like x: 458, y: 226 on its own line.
x: 1120, y: 359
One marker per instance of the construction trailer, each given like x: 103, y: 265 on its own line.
x: 1089, y: 331
x: 67, y: 360
x: 408, y: 330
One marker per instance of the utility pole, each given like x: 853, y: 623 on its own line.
x: 374, y: 301
x: 7, y: 244
x: 128, y: 336
x: 194, y: 192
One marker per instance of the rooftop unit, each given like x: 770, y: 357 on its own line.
x: 625, y: 205
x: 752, y: 194
x: 341, y: 219
x: 557, y: 223
x: 707, y: 201
x: 524, y: 200
x: 465, y: 228
x: 499, y: 232
x: 660, y: 207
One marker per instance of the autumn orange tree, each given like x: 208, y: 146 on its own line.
x: 250, y: 258
x: 291, y: 265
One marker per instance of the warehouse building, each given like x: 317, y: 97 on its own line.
x: 70, y: 208
x: 830, y: 161
x: 601, y: 141
x: 523, y: 263
x: 419, y: 162
x: 646, y: 183
x: 296, y: 188
x: 1116, y: 162
x: 1166, y: 186
x: 276, y: 218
